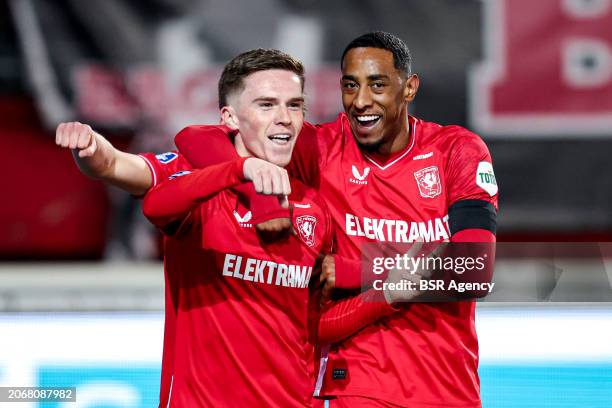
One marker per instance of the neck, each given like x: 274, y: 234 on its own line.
x: 398, y: 141
x: 240, y: 147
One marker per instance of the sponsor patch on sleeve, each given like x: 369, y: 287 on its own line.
x: 485, y: 178
x: 165, y: 158
x: 179, y: 174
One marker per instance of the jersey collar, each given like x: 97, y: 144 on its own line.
x: 412, y: 123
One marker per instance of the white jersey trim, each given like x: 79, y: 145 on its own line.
x: 412, y: 137
x: 170, y: 391
x: 151, y: 169
x: 322, y: 369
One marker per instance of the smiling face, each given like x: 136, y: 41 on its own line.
x: 268, y: 113
x: 375, y: 96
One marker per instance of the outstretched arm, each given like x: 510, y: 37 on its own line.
x: 171, y: 201
x: 97, y: 158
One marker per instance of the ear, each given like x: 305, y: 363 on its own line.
x: 229, y: 117
x: 411, y: 88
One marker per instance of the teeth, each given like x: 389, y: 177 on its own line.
x: 367, y: 118
x: 279, y: 137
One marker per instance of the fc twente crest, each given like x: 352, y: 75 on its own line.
x: 428, y: 181
x: 306, y: 227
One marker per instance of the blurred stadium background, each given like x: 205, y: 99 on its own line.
x: 81, y: 284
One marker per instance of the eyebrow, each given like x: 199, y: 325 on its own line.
x: 369, y: 78
x: 272, y: 99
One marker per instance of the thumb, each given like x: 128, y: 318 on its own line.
x: 89, y: 150
x: 284, y: 202
x: 291, y: 208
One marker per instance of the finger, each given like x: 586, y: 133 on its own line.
x: 412, y: 277
x: 278, y: 225
x: 90, y: 150
x: 65, y: 135
x: 84, y: 138
x: 94, y: 144
x: 266, y: 183
x: 285, y: 223
x: 74, y: 135
x: 274, y: 233
x: 274, y: 225
x: 257, y: 183
x: 263, y: 226
x: 67, y: 132
x: 284, y: 202
x: 322, y: 276
x: 415, y: 248
x: 324, y: 273
x: 58, y: 133
x: 424, y: 272
x: 277, y: 183
x: 286, y: 183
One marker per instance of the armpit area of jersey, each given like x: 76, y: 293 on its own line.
x: 471, y: 214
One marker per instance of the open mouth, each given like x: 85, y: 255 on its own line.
x: 280, y: 139
x: 367, y: 120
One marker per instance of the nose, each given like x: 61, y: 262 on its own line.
x: 282, y: 116
x: 363, y: 98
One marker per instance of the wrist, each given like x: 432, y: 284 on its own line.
x: 239, y: 168
x: 347, y: 273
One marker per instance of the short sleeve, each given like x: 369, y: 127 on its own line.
x: 469, y: 171
x: 164, y: 165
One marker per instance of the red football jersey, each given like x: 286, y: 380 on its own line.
x: 243, y: 310
x: 426, y: 354
x: 162, y: 166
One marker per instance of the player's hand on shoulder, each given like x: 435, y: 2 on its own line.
x: 76, y: 135
x: 267, y: 178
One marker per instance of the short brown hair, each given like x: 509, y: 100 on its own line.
x: 234, y: 72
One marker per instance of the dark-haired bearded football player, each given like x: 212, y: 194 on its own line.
x: 387, y: 176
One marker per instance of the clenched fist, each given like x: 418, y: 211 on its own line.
x: 267, y: 178
x: 76, y: 135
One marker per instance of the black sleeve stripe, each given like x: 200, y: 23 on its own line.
x: 467, y: 214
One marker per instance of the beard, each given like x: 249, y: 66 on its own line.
x: 370, y: 147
